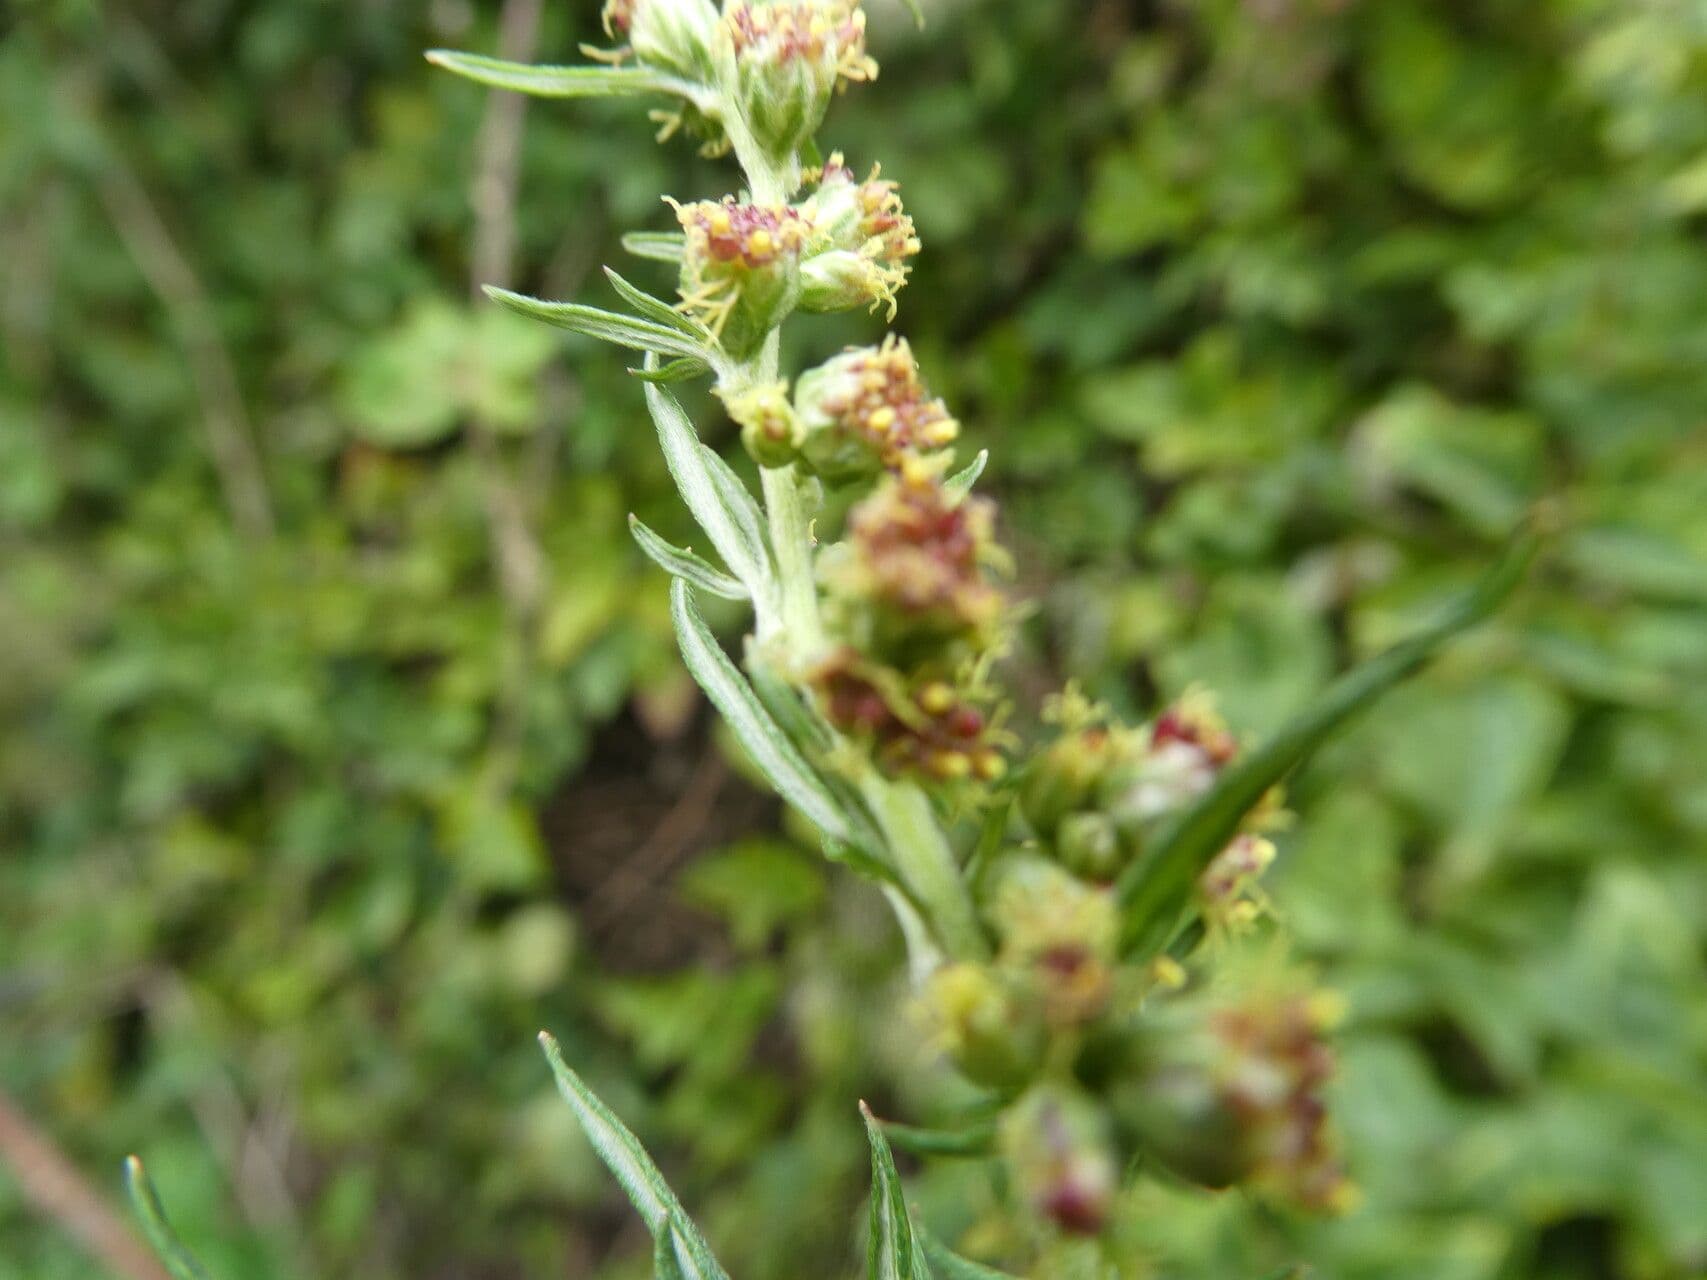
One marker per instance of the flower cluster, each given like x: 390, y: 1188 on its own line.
x: 867, y: 409
x: 1233, y: 1093
x: 790, y: 55
x: 740, y: 268
x: 863, y: 240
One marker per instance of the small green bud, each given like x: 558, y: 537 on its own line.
x: 1088, y: 844
x: 769, y: 429
x: 981, y: 1026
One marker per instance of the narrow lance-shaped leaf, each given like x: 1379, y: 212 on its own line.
x: 656, y: 309
x: 559, y: 82
x: 658, y: 246
x: 606, y: 326
x: 891, y: 1252
x: 628, y: 1162
x: 1154, y: 892
x: 961, y: 482
x: 976, y: 1139
x: 680, y: 369
x: 949, y: 1265
x: 726, y: 527
x: 152, y: 1214
x: 684, y: 564
x: 776, y: 757
x: 738, y: 501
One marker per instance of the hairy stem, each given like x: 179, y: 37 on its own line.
x: 926, y: 863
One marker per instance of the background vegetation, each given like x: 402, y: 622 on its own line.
x: 345, y: 742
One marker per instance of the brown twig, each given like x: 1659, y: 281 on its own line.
x: 60, y: 1192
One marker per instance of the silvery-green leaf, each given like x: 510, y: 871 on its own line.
x: 961, y: 481
x: 776, y: 757
x: 659, y: 246
x: 975, y: 1140
x: 680, y: 369
x: 739, y: 501
x: 656, y: 309
x: 672, y: 1230
x: 559, y: 82
x: 891, y: 1251
x: 951, y: 1266
x: 607, y: 326
x: 178, y: 1260
x: 1154, y: 891
x: 729, y: 530
x: 682, y: 563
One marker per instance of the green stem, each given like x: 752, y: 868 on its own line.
x: 922, y: 856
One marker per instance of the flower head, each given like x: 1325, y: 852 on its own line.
x: 928, y: 728
x: 741, y: 268
x: 867, y: 409
x: 789, y: 57
x: 862, y: 237
x: 676, y: 36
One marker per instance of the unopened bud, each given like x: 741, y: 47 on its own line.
x: 981, y: 1026
x: 769, y: 430
x: 1088, y: 845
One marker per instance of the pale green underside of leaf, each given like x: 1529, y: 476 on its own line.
x: 961, y: 482
x: 771, y: 751
x: 724, y: 509
x: 684, y: 564
x: 1155, y: 891
x: 657, y: 310
x: 658, y: 246
x: 678, y: 1243
x: 559, y: 82
x: 178, y: 1260
x: 949, y: 1265
x: 606, y: 326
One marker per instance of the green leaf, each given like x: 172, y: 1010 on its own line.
x: 559, y: 82
x: 678, y: 370
x: 776, y: 757
x: 738, y: 500
x: 961, y: 482
x: 682, y: 563
x: 891, y: 1252
x: 673, y: 1232
x: 179, y: 1260
x: 658, y: 246
x: 1154, y: 891
x: 975, y: 1140
x: 656, y: 309
x: 606, y: 326
x: 951, y: 1266
x: 731, y: 529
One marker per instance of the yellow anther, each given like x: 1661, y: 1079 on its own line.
x: 1326, y: 1009
x: 989, y: 765
x: 1167, y: 973
x: 718, y: 222
x: 881, y: 420
x: 937, y: 434
x: 760, y: 244
x: 951, y: 765
x: 936, y: 697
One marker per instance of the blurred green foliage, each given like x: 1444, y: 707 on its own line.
x: 1273, y: 313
